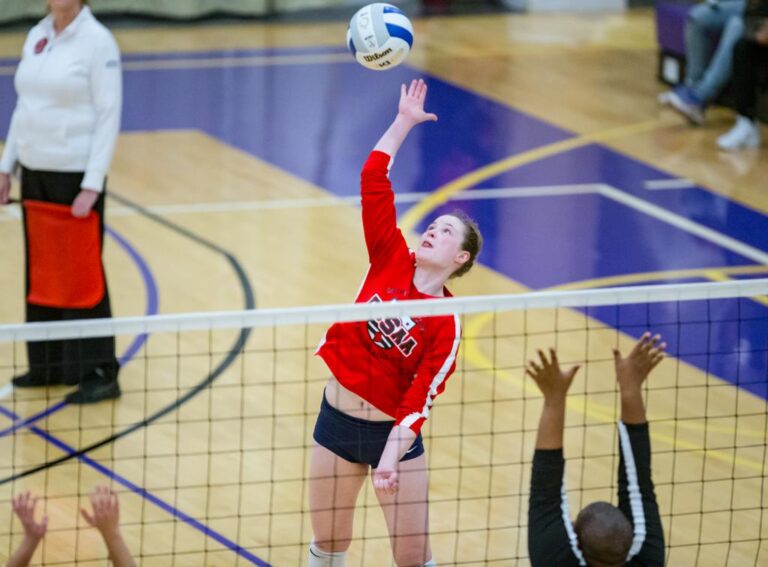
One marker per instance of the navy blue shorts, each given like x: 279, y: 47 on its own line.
x: 357, y: 440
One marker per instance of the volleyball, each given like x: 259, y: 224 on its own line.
x: 380, y: 36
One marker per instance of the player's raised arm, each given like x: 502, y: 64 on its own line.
x: 410, y: 112
x: 382, y: 237
x: 636, y: 492
x: 631, y: 372
x: 24, y: 507
x: 105, y: 517
x: 554, y: 385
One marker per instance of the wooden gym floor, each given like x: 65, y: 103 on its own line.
x: 245, y: 141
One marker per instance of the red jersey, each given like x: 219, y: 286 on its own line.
x: 397, y: 365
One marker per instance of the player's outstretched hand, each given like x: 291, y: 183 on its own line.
x: 412, y: 100
x: 24, y: 507
x: 632, y: 370
x: 106, y: 518
x: 553, y: 382
x: 106, y: 510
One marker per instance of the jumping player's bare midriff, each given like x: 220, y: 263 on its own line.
x: 352, y: 404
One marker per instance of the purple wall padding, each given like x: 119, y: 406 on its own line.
x: 670, y: 25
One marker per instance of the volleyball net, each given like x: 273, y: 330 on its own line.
x: 209, y: 444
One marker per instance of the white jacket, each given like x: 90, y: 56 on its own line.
x: 69, y: 89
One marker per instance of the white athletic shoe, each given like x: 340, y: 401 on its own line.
x: 745, y: 134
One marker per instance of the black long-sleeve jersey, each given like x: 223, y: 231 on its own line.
x: 552, y: 541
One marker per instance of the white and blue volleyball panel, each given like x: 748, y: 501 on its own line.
x: 380, y: 36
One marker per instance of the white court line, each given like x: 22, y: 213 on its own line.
x: 607, y: 191
x: 667, y: 184
x: 525, y: 192
x: 237, y: 206
x: 689, y: 226
x: 640, y: 205
x: 400, y: 198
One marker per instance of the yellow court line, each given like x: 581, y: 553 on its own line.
x: 416, y: 213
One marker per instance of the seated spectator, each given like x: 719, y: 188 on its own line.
x: 604, y: 535
x: 707, y: 70
x: 749, y: 56
x: 105, y: 518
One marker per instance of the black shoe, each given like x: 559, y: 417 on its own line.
x: 35, y: 381
x: 70, y: 379
x: 95, y: 387
x: 101, y: 373
x: 94, y: 393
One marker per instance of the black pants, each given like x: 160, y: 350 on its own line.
x: 748, y: 57
x: 66, y: 360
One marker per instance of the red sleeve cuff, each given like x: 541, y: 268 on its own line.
x: 377, y: 160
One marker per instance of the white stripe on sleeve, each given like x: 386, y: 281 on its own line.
x: 438, y: 379
x: 635, y: 497
x: 573, y: 539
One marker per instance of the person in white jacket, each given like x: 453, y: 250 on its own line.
x: 62, y: 137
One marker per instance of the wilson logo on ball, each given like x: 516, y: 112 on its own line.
x: 380, y: 36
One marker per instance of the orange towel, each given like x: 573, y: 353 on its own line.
x: 64, y: 255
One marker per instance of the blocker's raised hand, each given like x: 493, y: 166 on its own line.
x: 632, y: 370
x: 553, y: 382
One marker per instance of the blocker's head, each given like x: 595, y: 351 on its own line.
x: 605, y: 535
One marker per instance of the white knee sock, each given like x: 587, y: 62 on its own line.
x: 430, y: 563
x: 320, y: 558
